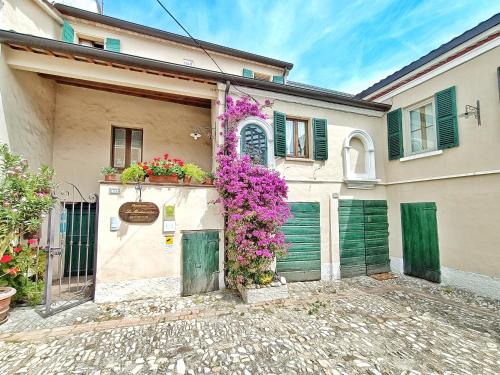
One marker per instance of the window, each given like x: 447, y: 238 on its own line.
x: 421, y: 129
x: 254, y: 143
x: 296, y: 138
x: 126, y: 147
x: 91, y: 42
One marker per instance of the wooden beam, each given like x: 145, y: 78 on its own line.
x: 132, y: 91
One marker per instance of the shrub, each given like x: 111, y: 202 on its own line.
x: 253, y: 200
x: 193, y: 171
x: 134, y: 173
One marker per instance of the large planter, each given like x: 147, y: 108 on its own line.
x: 6, y: 294
x: 173, y: 179
x: 257, y: 294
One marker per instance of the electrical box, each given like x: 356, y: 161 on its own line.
x: 114, y: 224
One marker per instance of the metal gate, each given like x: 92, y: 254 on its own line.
x: 72, y: 248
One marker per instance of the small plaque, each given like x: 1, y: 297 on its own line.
x: 139, y: 212
x: 114, y: 190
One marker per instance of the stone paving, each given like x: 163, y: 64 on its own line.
x: 356, y: 326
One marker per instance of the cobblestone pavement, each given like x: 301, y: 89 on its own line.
x: 358, y: 326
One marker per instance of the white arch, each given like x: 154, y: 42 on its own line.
x: 268, y: 129
x: 369, y: 177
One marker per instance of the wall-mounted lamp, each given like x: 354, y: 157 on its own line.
x: 472, y: 111
x: 195, y: 135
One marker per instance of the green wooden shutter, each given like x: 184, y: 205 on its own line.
x: 320, y: 133
x: 446, y: 118
x: 395, y: 134
x: 279, y: 134
x: 278, y: 79
x: 68, y: 33
x: 247, y: 73
x: 113, y: 44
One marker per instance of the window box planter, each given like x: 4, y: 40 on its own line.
x: 264, y: 293
x: 173, y: 179
x: 6, y: 294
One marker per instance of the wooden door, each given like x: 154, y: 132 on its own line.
x: 376, y: 237
x: 420, y: 240
x: 363, y: 231
x: 200, y: 259
x: 302, y: 232
x: 80, y: 239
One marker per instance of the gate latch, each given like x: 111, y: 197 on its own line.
x: 55, y: 251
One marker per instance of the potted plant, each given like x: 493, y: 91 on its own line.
x: 208, y: 178
x: 134, y: 173
x: 109, y: 173
x: 192, y: 172
x: 6, y: 294
x: 164, y: 170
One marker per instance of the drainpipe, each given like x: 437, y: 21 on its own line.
x: 228, y: 85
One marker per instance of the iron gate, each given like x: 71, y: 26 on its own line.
x: 71, y: 249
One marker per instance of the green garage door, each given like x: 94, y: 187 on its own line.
x: 364, y: 246
x: 302, y: 231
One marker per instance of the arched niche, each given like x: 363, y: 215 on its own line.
x: 255, y: 136
x: 358, y: 155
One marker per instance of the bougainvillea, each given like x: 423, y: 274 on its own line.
x: 253, y: 200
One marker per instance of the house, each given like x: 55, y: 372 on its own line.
x: 442, y: 161
x: 80, y: 90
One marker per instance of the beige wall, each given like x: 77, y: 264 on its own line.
x: 160, y: 49
x: 467, y: 208
x: 26, y: 16
x: 137, y: 251
x: 27, y: 104
x: 82, y: 136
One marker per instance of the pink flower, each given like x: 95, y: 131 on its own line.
x: 32, y: 241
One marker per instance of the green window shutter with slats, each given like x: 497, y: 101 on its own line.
x: 279, y: 134
x: 395, y: 134
x: 446, y: 118
x: 68, y: 33
x: 113, y: 44
x: 320, y: 136
x: 278, y: 79
x: 247, y: 73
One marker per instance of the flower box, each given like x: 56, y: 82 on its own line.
x: 259, y: 293
x: 173, y: 179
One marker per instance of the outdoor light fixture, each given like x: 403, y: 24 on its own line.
x: 472, y: 111
x: 195, y: 135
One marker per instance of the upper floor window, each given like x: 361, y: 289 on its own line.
x: 126, y: 147
x: 91, y: 42
x: 421, y: 128
x: 253, y: 142
x: 297, y: 139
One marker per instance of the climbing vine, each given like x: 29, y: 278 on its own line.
x: 253, y: 199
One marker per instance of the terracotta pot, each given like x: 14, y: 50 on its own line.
x: 208, y: 181
x: 187, y: 180
x: 6, y: 294
x: 173, y: 179
x: 110, y: 177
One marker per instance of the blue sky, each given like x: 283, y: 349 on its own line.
x: 343, y: 45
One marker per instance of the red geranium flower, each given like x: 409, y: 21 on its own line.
x: 165, y: 156
x: 149, y: 172
x: 32, y: 241
x: 144, y: 167
x: 18, y: 249
x: 6, y: 259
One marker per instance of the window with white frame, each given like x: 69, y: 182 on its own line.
x: 420, y: 128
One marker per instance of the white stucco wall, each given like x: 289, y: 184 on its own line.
x: 82, y: 136
x: 137, y: 251
x: 27, y: 104
x: 26, y: 16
